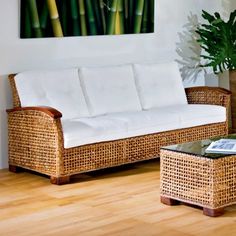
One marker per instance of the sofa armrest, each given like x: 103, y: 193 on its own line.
x: 35, y: 139
x: 208, y: 95
x: 52, y: 112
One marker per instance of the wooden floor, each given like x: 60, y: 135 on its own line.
x: 120, y: 201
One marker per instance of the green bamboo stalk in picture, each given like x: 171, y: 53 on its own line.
x: 152, y: 15
x: 98, y: 19
x: 145, y: 21
x: 120, y: 17
x: 35, y: 18
x: 44, y: 18
x: 106, y: 4
x: 75, y: 17
x: 101, y: 5
x: 82, y: 18
x: 56, y: 25
x: 126, y: 12
x: 138, y: 16
x: 26, y: 30
x: 112, y: 17
x: 131, y: 16
x: 64, y: 17
x: 91, y: 17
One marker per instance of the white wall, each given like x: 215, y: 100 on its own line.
x: 23, y: 54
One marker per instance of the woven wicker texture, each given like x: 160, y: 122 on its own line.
x: 209, y: 183
x: 208, y: 95
x: 15, y: 95
x: 107, y: 154
x: 36, y: 140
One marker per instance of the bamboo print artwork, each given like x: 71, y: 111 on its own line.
x: 55, y: 20
x: 62, y: 18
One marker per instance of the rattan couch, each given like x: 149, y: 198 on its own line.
x: 36, y: 140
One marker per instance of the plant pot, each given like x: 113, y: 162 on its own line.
x: 232, y: 82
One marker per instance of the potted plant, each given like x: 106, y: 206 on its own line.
x: 217, y: 38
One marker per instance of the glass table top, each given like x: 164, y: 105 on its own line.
x: 198, y: 148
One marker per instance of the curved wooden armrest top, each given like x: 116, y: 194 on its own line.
x: 48, y: 110
x: 206, y: 88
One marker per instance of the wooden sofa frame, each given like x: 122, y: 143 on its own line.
x: 36, y: 139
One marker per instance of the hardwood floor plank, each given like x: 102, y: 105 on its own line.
x: 117, y: 201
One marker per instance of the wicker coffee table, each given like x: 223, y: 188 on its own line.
x: 191, y: 176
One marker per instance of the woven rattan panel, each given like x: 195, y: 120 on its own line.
x: 107, y: 154
x: 200, y: 181
x: 224, y: 180
x: 202, y: 97
x: 92, y: 157
x: 15, y: 95
x: 34, y: 142
x: 207, y: 96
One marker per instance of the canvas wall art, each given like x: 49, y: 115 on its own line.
x: 63, y: 18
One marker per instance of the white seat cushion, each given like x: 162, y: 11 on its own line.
x: 116, y: 126
x: 147, y: 122
x: 195, y: 114
x: 159, y: 85
x: 109, y: 89
x: 82, y: 131
x: 59, y: 89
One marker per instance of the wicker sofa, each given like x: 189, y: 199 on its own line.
x: 71, y: 121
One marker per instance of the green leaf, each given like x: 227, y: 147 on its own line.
x: 207, y: 16
x: 217, y: 38
x: 217, y: 15
x: 232, y: 17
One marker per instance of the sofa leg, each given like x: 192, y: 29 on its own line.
x: 15, y: 169
x: 60, y: 180
x: 169, y: 201
x: 213, y: 212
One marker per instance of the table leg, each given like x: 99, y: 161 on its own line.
x: 169, y: 201
x: 213, y: 212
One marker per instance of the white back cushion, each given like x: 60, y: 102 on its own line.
x: 159, y: 85
x: 59, y: 89
x: 109, y: 89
